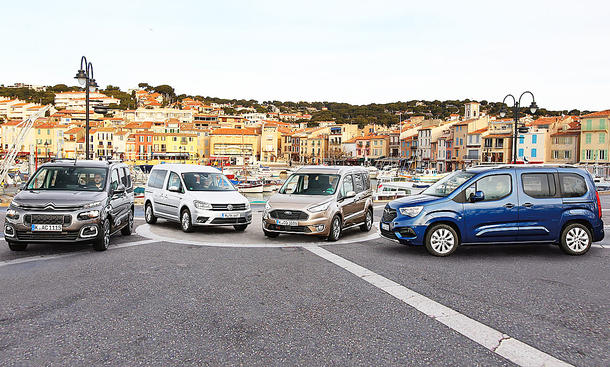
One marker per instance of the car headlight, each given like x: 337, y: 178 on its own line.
x: 89, y: 215
x: 247, y: 205
x: 91, y: 205
x: 319, y: 208
x: 411, y: 211
x: 201, y: 205
x: 12, y: 214
x: 267, y: 206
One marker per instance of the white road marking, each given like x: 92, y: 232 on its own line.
x: 177, y: 236
x: 51, y: 257
x: 512, y: 349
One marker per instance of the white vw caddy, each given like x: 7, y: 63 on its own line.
x: 194, y: 196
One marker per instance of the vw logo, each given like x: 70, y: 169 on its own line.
x: 288, y: 212
x: 229, y: 207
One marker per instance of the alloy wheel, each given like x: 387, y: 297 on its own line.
x: 106, y: 234
x: 577, y: 239
x: 442, y: 241
x: 186, y: 220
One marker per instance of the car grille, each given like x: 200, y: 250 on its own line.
x: 229, y: 221
x: 388, y: 214
x: 47, y: 236
x: 299, y: 229
x: 288, y: 214
x: 388, y: 234
x: 47, y: 219
x: 224, y: 207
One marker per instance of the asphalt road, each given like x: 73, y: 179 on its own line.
x: 373, y: 302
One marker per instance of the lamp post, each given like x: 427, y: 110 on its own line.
x: 517, y: 104
x: 85, y: 78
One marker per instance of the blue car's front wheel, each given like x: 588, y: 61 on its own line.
x: 441, y: 240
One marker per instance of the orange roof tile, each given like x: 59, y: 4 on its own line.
x: 604, y: 113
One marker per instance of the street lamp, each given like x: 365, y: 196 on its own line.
x: 85, y: 78
x: 517, y: 103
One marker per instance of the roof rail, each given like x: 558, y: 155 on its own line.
x: 534, y: 165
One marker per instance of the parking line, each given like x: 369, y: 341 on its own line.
x: 51, y: 257
x: 504, y: 345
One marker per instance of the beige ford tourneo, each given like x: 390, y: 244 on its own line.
x: 322, y: 201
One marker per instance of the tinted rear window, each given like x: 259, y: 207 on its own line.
x: 538, y: 185
x: 572, y: 185
x: 156, y: 179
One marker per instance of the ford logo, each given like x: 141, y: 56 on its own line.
x: 229, y: 207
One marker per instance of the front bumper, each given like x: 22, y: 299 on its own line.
x: 404, y: 232
x: 221, y: 218
x: 316, y: 225
x: 19, y: 229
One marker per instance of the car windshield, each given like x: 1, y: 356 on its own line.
x: 446, y: 185
x: 69, y: 178
x: 310, y: 184
x: 206, y: 181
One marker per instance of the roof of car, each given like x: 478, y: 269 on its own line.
x: 338, y: 170
x: 81, y: 163
x: 484, y: 168
x: 181, y: 168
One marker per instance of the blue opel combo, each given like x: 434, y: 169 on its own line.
x: 500, y: 204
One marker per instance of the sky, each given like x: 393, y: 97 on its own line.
x: 357, y: 52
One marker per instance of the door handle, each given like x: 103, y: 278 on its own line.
x: 509, y: 205
x: 528, y: 205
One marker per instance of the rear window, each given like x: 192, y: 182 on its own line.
x: 156, y: 178
x: 367, y: 180
x: 538, y: 185
x: 358, y: 184
x: 572, y: 185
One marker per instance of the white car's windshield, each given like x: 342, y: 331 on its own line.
x: 310, y: 184
x: 205, y: 181
x: 446, y: 185
x: 69, y: 178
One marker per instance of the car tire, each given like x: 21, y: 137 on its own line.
x: 186, y: 222
x: 441, y: 240
x: 102, y: 241
x: 575, y: 239
x: 149, y: 214
x: 335, y: 229
x: 270, y: 234
x: 240, y: 227
x: 128, y: 229
x: 17, y: 246
x: 368, y: 221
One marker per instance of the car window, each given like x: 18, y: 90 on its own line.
x: 174, y: 180
x: 121, y: 176
x: 156, y: 178
x: 358, y: 184
x: 572, y: 185
x: 538, y: 185
x: 348, y: 185
x: 114, y: 180
x: 366, y: 180
x: 125, y: 177
x: 494, y: 187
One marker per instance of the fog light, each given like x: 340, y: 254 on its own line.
x: 88, y: 231
x: 9, y: 231
x: 320, y: 227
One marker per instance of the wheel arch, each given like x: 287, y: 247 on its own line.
x: 445, y: 221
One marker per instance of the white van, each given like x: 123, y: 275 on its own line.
x: 194, y: 196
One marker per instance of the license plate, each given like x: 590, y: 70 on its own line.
x: 385, y: 226
x: 283, y: 222
x: 46, y: 227
x: 230, y: 215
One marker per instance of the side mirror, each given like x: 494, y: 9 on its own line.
x: 350, y: 194
x: 477, y: 196
x: 119, y: 189
x: 173, y: 189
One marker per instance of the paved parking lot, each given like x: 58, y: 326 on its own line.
x: 162, y: 297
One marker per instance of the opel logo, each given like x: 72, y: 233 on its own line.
x: 229, y: 207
